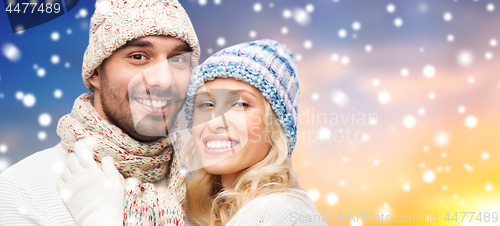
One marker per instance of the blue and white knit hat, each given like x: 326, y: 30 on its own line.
x: 264, y: 64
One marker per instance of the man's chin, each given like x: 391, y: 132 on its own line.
x: 152, y: 130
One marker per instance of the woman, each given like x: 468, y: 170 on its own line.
x: 241, y: 108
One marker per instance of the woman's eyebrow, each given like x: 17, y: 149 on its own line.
x: 244, y: 91
x: 229, y: 92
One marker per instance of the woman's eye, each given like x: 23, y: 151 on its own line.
x: 241, y: 104
x: 138, y: 57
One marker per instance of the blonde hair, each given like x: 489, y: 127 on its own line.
x: 210, y: 204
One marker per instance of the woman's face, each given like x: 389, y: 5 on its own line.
x: 229, y: 129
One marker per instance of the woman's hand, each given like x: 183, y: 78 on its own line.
x: 93, y: 196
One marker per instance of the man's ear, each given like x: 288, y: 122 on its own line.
x: 95, y: 79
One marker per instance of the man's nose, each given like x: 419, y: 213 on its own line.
x: 159, y: 75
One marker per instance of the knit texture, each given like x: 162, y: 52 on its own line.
x: 264, y: 64
x: 117, y: 21
x: 28, y: 192
x: 278, y: 209
x: 140, y: 163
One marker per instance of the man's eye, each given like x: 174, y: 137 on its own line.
x: 205, y: 105
x: 177, y: 59
x: 138, y: 57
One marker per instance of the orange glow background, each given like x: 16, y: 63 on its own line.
x: 421, y: 156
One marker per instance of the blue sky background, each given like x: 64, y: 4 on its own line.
x: 337, y: 76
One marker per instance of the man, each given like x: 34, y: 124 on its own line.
x: 137, y: 66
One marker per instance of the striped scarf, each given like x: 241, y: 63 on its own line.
x: 139, y: 162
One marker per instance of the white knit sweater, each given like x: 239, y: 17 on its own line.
x: 277, y: 210
x: 28, y: 197
x: 28, y: 192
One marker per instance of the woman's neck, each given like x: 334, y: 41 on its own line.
x: 227, y: 180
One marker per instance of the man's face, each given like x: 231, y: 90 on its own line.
x: 142, y: 86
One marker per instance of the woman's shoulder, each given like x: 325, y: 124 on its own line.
x: 278, y: 209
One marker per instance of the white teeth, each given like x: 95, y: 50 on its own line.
x: 154, y: 103
x: 220, y: 144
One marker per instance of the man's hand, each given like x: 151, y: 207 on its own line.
x: 93, y: 196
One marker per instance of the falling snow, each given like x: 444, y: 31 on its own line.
x: 471, y: 121
x: 54, y: 59
x: 461, y: 109
x: 409, y: 121
x: 431, y: 95
x: 58, y: 93
x: 221, y: 41
x: 356, y: 25
x: 29, y: 100
x: 3, y: 148
x: 405, y: 72
x: 332, y: 198
x: 301, y: 16
x: 493, y: 42
x: 450, y: 38
x: 485, y: 155
x: 308, y: 44
x: 342, y: 33
x: 406, y: 187
x: 441, y: 139
x: 429, y: 176
x: 391, y: 8
x: 398, y: 22
x: 313, y: 194
x: 447, y: 16
x: 54, y: 36
x: 309, y: 8
x: 44, y: 119
x: 287, y: 13
x: 340, y: 98
x: 42, y: 135
x: 384, y: 97
x: 11, y: 52
x: 429, y: 71
x: 465, y: 58
x: 257, y: 7
x: 41, y: 72
x: 284, y: 30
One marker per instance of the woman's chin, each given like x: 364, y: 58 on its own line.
x: 215, y: 168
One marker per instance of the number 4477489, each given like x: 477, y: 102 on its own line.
x: 24, y: 8
x: 484, y: 216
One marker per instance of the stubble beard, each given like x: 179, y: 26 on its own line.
x: 119, y: 113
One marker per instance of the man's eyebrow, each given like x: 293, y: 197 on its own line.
x: 143, y: 43
x: 183, y: 48
x: 137, y: 43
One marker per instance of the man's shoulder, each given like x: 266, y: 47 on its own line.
x: 49, y: 161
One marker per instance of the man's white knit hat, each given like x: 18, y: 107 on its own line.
x: 117, y: 21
